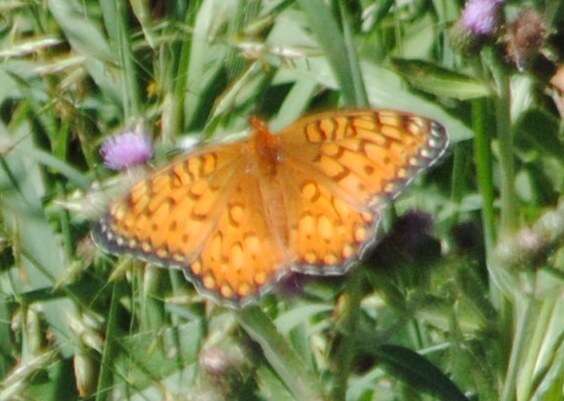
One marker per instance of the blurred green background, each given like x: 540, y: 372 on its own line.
x: 462, y: 300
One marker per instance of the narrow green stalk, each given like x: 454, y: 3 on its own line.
x: 483, y: 160
x: 283, y: 359
x: 517, y: 349
x: 543, y: 312
x: 176, y: 86
x: 131, y: 88
x: 458, y: 178
x: 340, y: 51
x: 105, y: 380
x: 345, y: 353
x: 509, y: 217
x: 65, y: 224
x: 503, y: 124
x: 361, y: 98
x: 416, y: 334
x: 152, y: 309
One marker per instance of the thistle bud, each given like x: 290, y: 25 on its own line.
x: 525, y: 36
x: 479, y: 21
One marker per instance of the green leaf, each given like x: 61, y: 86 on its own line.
x: 7, y: 345
x: 206, y: 57
x: 417, y: 371
x: 271, y: 387
x: 339, y: 50
x: 142, y: 12
x: 87, y: 40
x: 148, y: 357
x: 439, y: 81
x: 540, y: 129
x: 39, y: 251
x: 116, y: 22
x: 287, y: 364
x: 295, y: 103
x: 106, y: 377
x: 550, y: 387
x: 288, y: 320
x: 61, y: 167
x: 385, y: 90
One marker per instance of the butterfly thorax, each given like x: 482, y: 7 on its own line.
x: 266, y: 148
x: 267, y: 153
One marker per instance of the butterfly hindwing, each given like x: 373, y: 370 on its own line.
x: 242, y: 256
x: 326, y: 233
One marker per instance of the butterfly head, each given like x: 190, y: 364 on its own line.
x: 266, y: 146
x: 258, y: 124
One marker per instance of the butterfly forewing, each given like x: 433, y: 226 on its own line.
x: 167, y: 217
x: 341, y: 167
x: 369, y: 154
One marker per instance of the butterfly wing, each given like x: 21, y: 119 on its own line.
x: 208, y: 214
x: 165, y: 217
x: 243, y: 256
x: 346, y: 165
x: 326, y: 233
x: 199, y: 214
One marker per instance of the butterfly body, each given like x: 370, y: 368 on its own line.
x: 236, y: 217
x: 267, y: 150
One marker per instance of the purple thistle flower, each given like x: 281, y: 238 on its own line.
x: 480, y: 17
x: 127, y: 149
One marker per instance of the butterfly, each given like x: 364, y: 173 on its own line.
x: 237, y: 217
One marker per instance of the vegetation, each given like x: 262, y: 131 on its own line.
x: 462, y: 300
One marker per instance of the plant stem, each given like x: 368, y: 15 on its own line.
x: 508, y: 224
x: 505, y: 137
x: 543, y: 313
x: 105, y: 379
x: 458, y: 179
x: 483, y: 160
x: 345, y: 353
x: 519, y: 344
x: 283, y: 359
x: 131, y: 87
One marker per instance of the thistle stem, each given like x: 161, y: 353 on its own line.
x: 505, y: 138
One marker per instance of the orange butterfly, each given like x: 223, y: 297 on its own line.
x: 236, y: 217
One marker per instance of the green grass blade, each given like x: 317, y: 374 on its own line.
x: 87, y: 40
x: 61, y: 167
x: 283, y: 359
x: 418, y: 372
x: 26, y: 225
x: 106, y: 375
x: 337, y: 51
x: 206, y: 58
x: 483, y: 160
x: 360, y: 96
x: 440, y: 81
x: 295, y: 104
